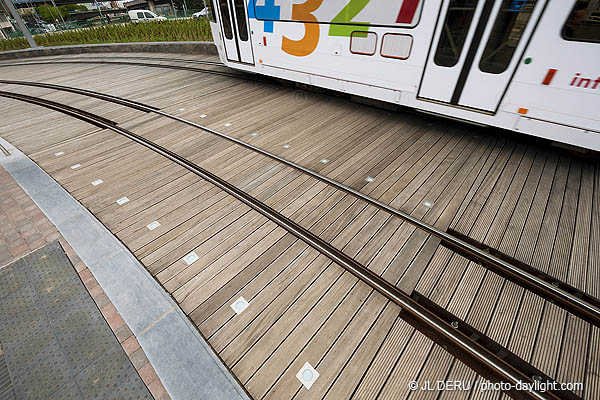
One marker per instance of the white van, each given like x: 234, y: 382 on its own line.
x: 144, y: 15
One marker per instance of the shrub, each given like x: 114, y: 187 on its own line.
x: 163, y: 31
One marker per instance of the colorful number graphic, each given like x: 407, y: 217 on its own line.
x: 339, y: 26
x: 345, y: 16
x: 268, y: 13
x: 308, y: 43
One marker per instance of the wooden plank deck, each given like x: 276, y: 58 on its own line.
x: 525, y: 199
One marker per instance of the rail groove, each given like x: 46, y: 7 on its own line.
x: 585, y: 307
x: 143, y: 64
x: 460, y: 343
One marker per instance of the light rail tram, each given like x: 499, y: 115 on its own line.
x: 531, y: 66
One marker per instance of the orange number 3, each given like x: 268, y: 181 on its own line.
x: 308, y: 44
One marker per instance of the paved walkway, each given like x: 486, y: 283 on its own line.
x: 55, y: 341
x: 23, y: 227
x: 68, y: 341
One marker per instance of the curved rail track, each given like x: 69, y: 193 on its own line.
x: 470, y: 346
x: 172, y: 65
x: 566, y: 296
x: 457, y: 338
x: 475, y: 349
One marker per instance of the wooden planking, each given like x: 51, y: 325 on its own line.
x: 479, y: 183
x: 504, y: 298
x: 113, y: 167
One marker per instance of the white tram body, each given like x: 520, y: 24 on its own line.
x: 531, y: 66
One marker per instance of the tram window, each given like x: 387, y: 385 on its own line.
x: 583, y: 24
x: 225, y: 21
x: 454, y: 32
x: 508, y: 29
x: 240, y: 15
x: 211, y: 12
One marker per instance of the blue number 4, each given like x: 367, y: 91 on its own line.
x: 268, y: 12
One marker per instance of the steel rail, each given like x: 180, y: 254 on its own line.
x: 465, y: 346
x: 182, y: 60
x: 564, y: 299
x: 75, y: 57
x: 178, y: 67
x: 107, y: 97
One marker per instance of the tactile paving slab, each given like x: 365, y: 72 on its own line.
x: 56, y: 343
x: 6, y: 389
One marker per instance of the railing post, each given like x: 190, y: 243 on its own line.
x: 22, y: 26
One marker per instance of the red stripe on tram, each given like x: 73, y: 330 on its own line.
x: 549, y: 77
x: 407, y: 11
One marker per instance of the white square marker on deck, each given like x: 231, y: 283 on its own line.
x: 428, y: 204
x: 239, y: 305
x: 369, y: 179
x: 97, y: 182
x: 254, y: 134
x: 227, y: 124
x: 203, y: 116
x: 122, y: 201
x: 181, y: 109
x: 324, y: 161
x: 286, y: 146
x: 60, y: 153
x: 307, y: 375
x: 153, y: 225
x: 191, y: 258
x: 75, y: 166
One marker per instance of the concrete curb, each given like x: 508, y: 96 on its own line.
x: 182, y: 359
x: 136, y: 47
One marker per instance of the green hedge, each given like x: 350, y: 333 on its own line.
x: 164, y: 31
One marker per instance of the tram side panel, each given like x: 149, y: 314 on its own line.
x: 303, y: 44
x: 557, y: 85
x: 381, y: 50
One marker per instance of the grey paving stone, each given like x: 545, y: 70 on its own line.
x: 15, y: 161
x: 190, y: 373
x: 105, y: 374
x: 91, y: 241
x: 32, y: 179
x: 54, y: 201
x: 131, y: 290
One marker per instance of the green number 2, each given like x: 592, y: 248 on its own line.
x: 345, y: 16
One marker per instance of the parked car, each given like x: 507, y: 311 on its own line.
x: 49, y: 28
x: 144, y: 15
x: 200, y: 14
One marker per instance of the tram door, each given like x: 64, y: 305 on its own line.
x: 236, y: 34
x: 476, y: 48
